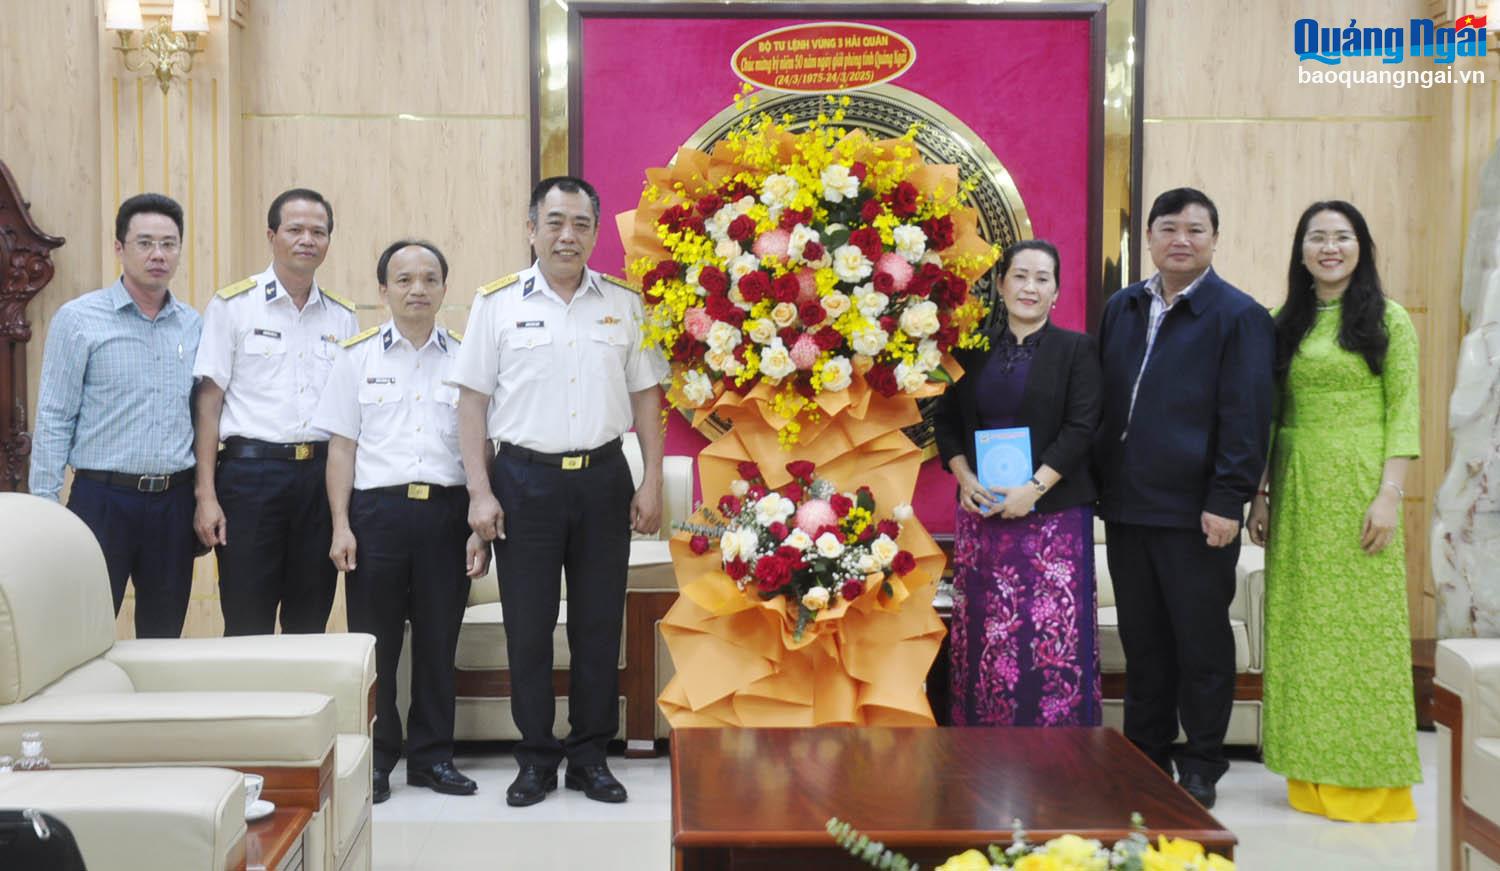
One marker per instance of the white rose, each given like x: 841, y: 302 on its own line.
x: 911, y: 242
x: 773, y: 508
x: 798, y: 539
x: 696, y: 388
x: 761, y: 331
x: 902, y: 513
x: 829, y: 546
x: 815, y: 599
x: 717, y: 225
x: 867, y: 564
x: 851, y: 265
x: 738, y: 299
x: 835, y: 304
x: 783, y: 315
x: 742, y: 265
x: 920, y: 320
x: 722, y: 361
x: 776, y: 362
x: 910, y: 378
x: 729, y: 546
x: 801, y: 235
x: 884, y: 550
x: 869, y: 342
x: 836, y: 373
x: 723, y: 337
x: 778, y: 191
x: 871, y: 304
x: 727, y: 249
x: 743, y: 205
x: 739, y: 487
x: 928, y: 355
x: 748, y: 542
x: 838, y: 184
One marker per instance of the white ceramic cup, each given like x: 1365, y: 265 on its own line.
x: 253, y: 784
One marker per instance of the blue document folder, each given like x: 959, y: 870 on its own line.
x: 1003, y: 456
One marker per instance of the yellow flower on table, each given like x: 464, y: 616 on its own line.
x: 969, y: 860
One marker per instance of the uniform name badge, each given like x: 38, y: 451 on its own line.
x: 418, y: 491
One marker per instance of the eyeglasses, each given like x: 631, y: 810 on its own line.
x: 165, y: 246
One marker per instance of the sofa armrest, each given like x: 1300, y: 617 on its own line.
x: 1470, y: 668
x: 231, y: 730
x: 676, y: 492
x: 1249, y: 602
x: 339, y: 666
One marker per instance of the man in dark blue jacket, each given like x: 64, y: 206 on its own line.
x: 1180, y: 448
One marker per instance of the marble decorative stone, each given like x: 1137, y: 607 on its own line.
x: 1466, y: 514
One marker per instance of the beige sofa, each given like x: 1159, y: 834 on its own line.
x: 1246, y: 617
x: 1466, y: 709
x: 184, y: 819
x: 295, y: 709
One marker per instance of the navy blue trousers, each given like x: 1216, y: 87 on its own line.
x: 411, y: 564
x: 279, y: 533
x: 147, y: 538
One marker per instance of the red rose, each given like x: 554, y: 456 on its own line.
x: 698, y: 544
x: 772, y: 573
x: 788, y: 336
x: 929, y: 272
x: 867, y: 536
x: 695, y: 224
x: 672, y: 218
x: 903, y: 200
x: 737, y: 387
x: 736, y: 569
x: 755, y: 286
x: 741, y: 228
x: 737, y: 191
x: 813, y: 252
x: 710, y: 204
x: 882, y: 379
x: 786, y: 288
x: 778, y: 530
x: 748, y: 470
x: 801, y: 469
x: 939, y: 232
x: 904, y: 562
x: 828, y: 339
x: 719, y: 307
x: 946, y: 337
x: 889, y: 528
x: 713, y: 280
x: 792, y: 217
x: 757, y: 492
x: 870, y: 210
x: 859, y: 170
x: 841, y: 504
x: 888, y: 323
x: 852, y: 589
x: 793, y: 491
x: 828, y: 529
x: 811, y: 313
x: 803, y: 385
x: 867, y: 240
x: 885, y: 283
x: 684, y: 349
x: 729, y: 505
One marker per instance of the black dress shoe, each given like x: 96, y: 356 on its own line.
x: 1199, y: 788
x: 381, y: 789
x: 596, y: 782
x: 441, y: 777
x: 531, y: 785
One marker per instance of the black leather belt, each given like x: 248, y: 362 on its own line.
x: 568, y: 462
x: 239, y: 448
x: 138, y: 483
x: 418, y: 491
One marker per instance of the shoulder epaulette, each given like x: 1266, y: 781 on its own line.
x: 499, y: 284
x: 619, y: 282
x: 233, y: 290
x: 358, y: 337
x: 455, y: 335
x: 348, y: 304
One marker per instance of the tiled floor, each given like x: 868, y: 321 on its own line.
x: 418, y: 830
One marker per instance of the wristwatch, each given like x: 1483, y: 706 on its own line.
x: 1040, y: 487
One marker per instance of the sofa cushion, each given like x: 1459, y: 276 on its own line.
x: 351, y: 791
x: 1482, y: 776
x: 1112, y: 653
x: 56, y: 612
x: 141, y: 819
x: 94, y: 676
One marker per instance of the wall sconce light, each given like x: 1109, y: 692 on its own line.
x: 168, y: 49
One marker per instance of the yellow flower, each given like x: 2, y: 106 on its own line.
x: 1076, y: 852
x: 1040, y: 862
x: 1179, y: 848
x: 1219, y: 863
x: 969, y: 860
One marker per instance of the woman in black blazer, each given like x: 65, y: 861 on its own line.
x: 1025, y: 648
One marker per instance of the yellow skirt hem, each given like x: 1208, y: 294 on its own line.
x: 1380, y: 804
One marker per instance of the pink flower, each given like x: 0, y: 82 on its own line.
x: 897, y: 268
x: 805, y: 352
x: 772, y: 244
x: 814, y: 515
x: 697, y: 322
x: 807, y: 285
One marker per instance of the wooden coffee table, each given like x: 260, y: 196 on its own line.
x: 275, y: 843
x: 758, y: 798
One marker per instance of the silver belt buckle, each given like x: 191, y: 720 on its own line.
x: 153, y: 483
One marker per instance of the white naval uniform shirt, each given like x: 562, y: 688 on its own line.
x: 389, y: 397
x: 270, y: 359
x: 560, y: 374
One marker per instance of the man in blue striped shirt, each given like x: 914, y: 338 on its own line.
x: 117, y: 374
